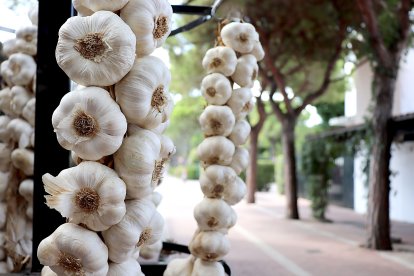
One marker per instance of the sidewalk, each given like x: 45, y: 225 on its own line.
x: 266, y: 244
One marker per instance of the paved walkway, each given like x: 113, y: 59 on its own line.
x: 266, y: 244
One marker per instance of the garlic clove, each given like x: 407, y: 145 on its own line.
x: 89, y: 122
x: 217, y: 121
x: 156, y: 198
x: 240, y: 133
x: 240, y: 102
x: 216, y: 179
x: 129, y: 267
x: 239, y: 36
x: 209, y: 246
x: 167, y: 147
x: 28, y: 112
x: 26, y: 191
x: 113, y: 45
x: 215, y: 150
x: 161, y: 128
x: 98, y: 5
x: 235, y: 192
x: 143, y: 93
x: 150, y: 21
x: 258, y: 51
x: 213, y: 215
x: 46, y: 271
x: 5, y: 100
x: 21, y: 69
x: 240, y: 160
x: 23, y: 159
x: 19, y: 98
x: 67, y: 251
x: 151, y: 251
x: 20, y: 131
x: 216, y: 89
x: 81, y: 9
x: 246, y: 71
x: 180, y: 267
x: 89, y: 193
x: 203, y: 268
x: 220, y: 60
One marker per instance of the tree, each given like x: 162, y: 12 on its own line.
x: 387, y: 32
x: 303, y: 41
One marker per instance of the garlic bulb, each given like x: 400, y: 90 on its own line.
x: 96, y: 50
x: 161, y: 128
x: 89, y: 193
x: 28, y: 112
x: 203, y: 268
x: 151, y: 251
x: 19, y: 98
x: 34, y: 13
x: 5, y: 99
x: 209, y: 246
x: 82, y: 10
x: 9, y: 47
x: 143, y: 93
x: 23, y: 159
x: 26, y: 191
x: 258, y: 51
x: 156, y: 198
x: 4, y: 183
x: 240, y: 133
x: 142, y: 224
x: 4, y: 133
x: 98, y: 5
x: 89, y: 122
x: 150, y: 21
x: 215, y: 150
x: 220, y: 60
x: 246, y: 71
x: 240, y: 160
x: 129, y: 267
x: 28, y: 34
x: 25, y: 47
x: 216, y: 89
x: 240, y: 102
x: 46, y: 271
x: 180, y: 267
x: 68, y: 251
x: 235, y: 192
x: 21, y: 69
x: 239, y: 36
x: 167, y: 147
x: 20, y: 131
x: 216, y: 179
x: 5, y: 157
x: 138, y: 163
x: 214, y: 215
x: 217, y: 121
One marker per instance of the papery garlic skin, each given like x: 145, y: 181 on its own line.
x: 98, y: 5
x: 28, y: 34
x: 46, y: 271
x: 9, y: 47
x: 215, y: 150
x: 113, y: 45
x: 25, y: 47
x: 161, y: 128
x: 143, y: 93
x: 89, y: 193
x: 19, y: 98
x: 203, y: 268
x: 246, y: 71
x: 240, y: 133
x: 82, y: 10
x: 213, y: 215
x: 180, y: 267
x: 3, y: 214
x: 217, y: 121
x: 216, y: 179
x: 150, y: 20
x: 23, y: 159
x: 142, y: 224
x: 138, y: 162
x: 167, y: 147
x: 258, y: 51
x: 240, y: 102
x: 26, y: 191
x: 5, y: 100
x: 68, y: 251
x: 239, y: 36
x: 129, y: 267
x: 28, y: 112
x: 220, y: 60
x: 151, y: 251
x: 209, y: 246
x: 89, y: 122
x: 240, y: 160
x: 21, y: 69
x: 235, y: 192
x: 216, y: 89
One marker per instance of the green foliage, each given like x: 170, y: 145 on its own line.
x: 265, y: 174
x: 330, y: 110
x: 193, y: 171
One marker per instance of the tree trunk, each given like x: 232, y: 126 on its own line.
x: 379, y: 173
x: 289, y: 156
x: 252, y: 169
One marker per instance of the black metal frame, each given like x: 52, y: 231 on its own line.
x: 52, y: 85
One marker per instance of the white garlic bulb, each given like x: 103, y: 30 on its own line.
x: 26, y: 191
x: 240, y: 102
x: 156, y: 198
x: 98, y: 5
x: 4, y: 133
x: 28, y: 34
x: 203, y: 268
x: 143, y: 93
x: 46, y: 271
x: 5, y: 100
x: 235, y: 192
x: 161, y: 128
x: 89, y: 122
x: 220, y: 60
x: 150, y: 21
x: 28, y: 112
x: 9, y: 47
x: 5, y: 157
x: 21, y: 69
x: 216, y: 89
x: 4, y: 183
x: 25, y: 47
x: 180, y: 267
x: 34, y: 13
x: 96, y: 50
x: 19, y: 98
x: 23, y: 159
x: 240, y: 160
x: 214, y: 215
x: 138, y: 162
x: 215, y: 150
x: 82, y: 10
x: 167, y: 147
x: 240, y: 133
x: 217, y: 121
x: 151, y: 251
x: 246, y: 71
x: 209, y: 246
x: 258, y: 51
x: 129, y: 267
x: 216, y: 179
x: 89, y: 193
x: 142, y: 224
x: 239, y: 36
x: 68, y: 251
